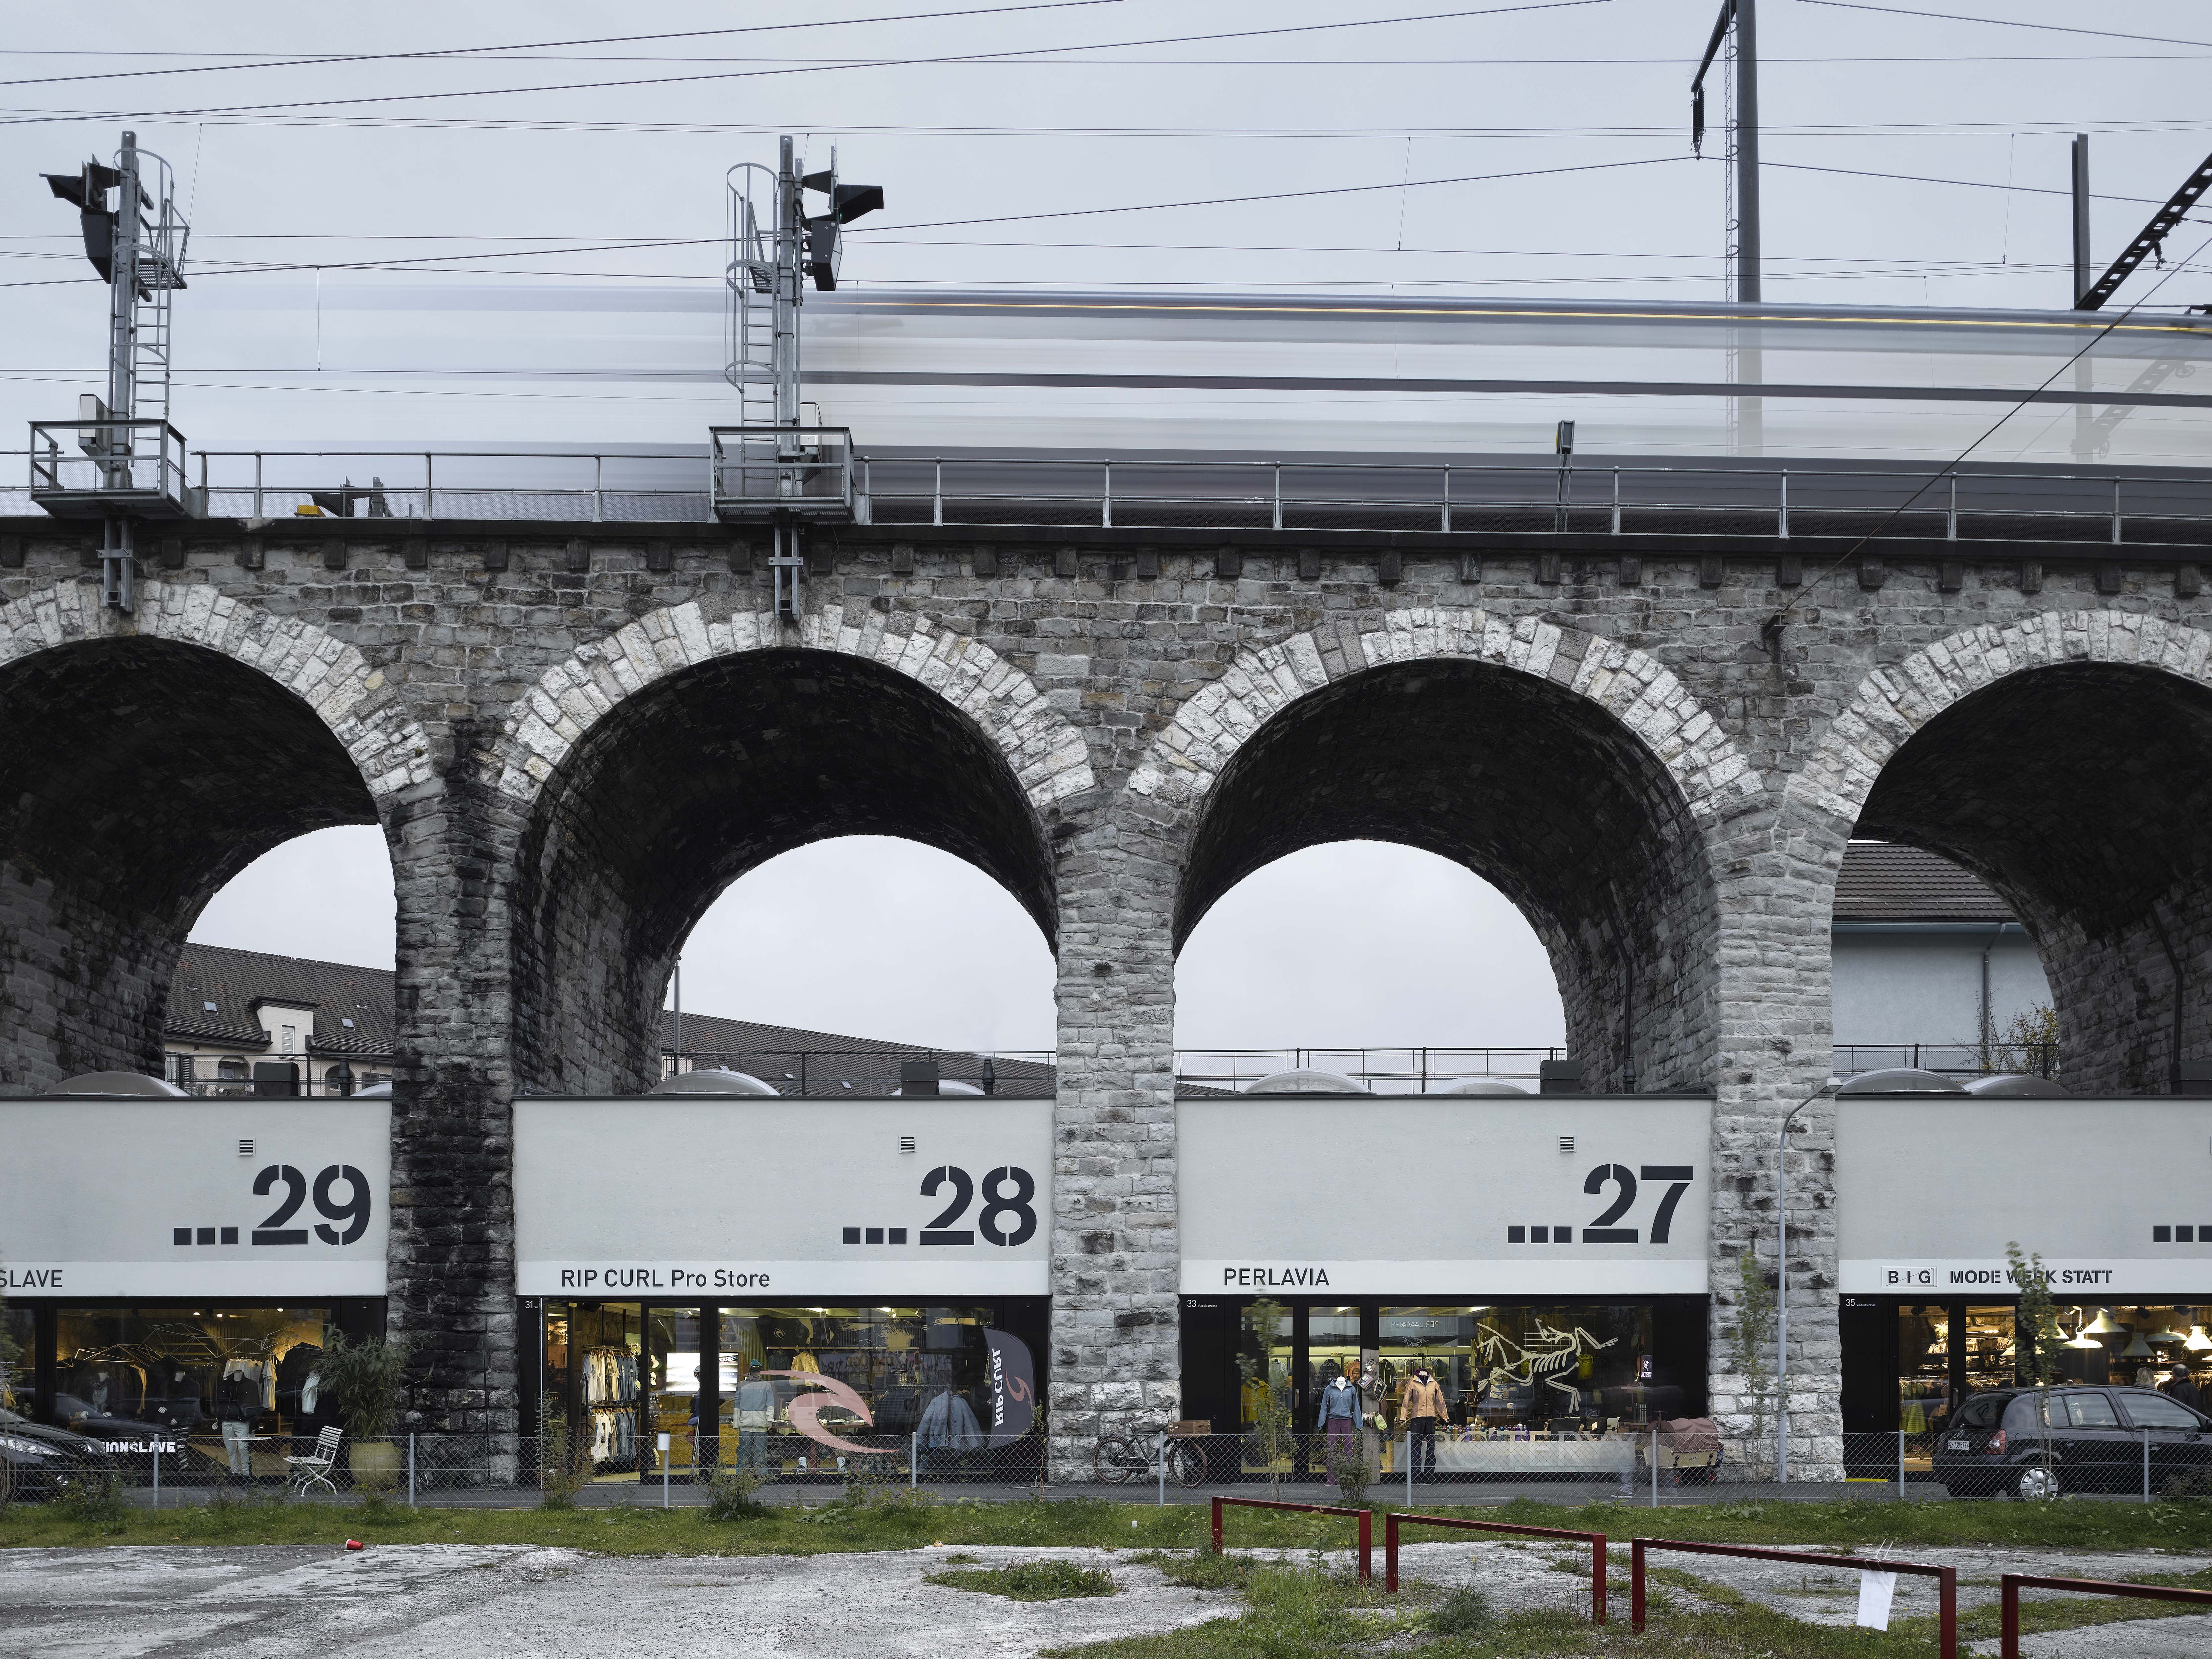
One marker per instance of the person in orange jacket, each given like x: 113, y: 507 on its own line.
x: 1423, y: 1404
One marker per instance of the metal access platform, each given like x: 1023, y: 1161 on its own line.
x: 782, y: 473
x: 101, y: 468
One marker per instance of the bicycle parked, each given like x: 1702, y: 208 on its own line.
x: 1118, y: 1459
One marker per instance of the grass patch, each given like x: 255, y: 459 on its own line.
x: 898, y: 1521
x: 1203, y: 1570
x: 1029, y: 1581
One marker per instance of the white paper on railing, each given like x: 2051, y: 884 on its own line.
x: 1876, y: 1591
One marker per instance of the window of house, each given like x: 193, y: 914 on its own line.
x: 287, y: 1036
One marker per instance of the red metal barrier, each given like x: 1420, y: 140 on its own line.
x: 1595, y: 1539
x: 1947, y: 1577
x: 2013, y: 1582
x: 1365, y: 1517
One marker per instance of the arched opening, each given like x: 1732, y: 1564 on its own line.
x: 830, y: 964
x: 707, y: 775
x: 286, y: 984
x: 138, y: 776
x: 2079, y: 792
x: 1533, y: 788
x: 1375, y: 958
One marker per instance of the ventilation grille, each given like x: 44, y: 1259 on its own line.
x: 1566, y: 1145
x: 906, y: 1143
x: 246, y: 1149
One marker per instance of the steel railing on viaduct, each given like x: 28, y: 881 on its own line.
x: 2146, y: 509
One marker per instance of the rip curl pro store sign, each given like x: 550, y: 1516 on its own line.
x: 1450, y: 1197
x: 755, y: 1200
x: 180, y: 1197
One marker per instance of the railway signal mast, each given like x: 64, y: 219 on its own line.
x: 132, y: 462
x: 774, y: 466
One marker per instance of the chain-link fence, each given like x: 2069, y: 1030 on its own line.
x: 1640, y: 1466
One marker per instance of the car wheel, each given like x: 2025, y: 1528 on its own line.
x: 2036, y: 1483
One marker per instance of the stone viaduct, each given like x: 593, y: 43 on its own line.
x: 574, y: 736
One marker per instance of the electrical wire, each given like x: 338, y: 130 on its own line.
x: 451, y: 53
x: 2003, y: 23
x: 821, y: 69
x: 1771, y: 628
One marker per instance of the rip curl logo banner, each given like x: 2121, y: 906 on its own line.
x: 1013, y: 1388
x: 804, y: 1414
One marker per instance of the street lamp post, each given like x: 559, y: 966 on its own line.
x: 1781, y: 1282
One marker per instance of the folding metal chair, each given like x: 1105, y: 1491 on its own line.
x: 315, y: 1468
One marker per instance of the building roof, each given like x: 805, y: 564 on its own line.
x: 796, y: 1061
x: 1887, y: 881
x: 235, y: 982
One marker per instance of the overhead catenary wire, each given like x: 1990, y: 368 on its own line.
x: 434, y: 54
x: 1771, y: 628
x: 841, y: 65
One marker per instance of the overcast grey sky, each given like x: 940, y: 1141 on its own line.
x: 496, y: 206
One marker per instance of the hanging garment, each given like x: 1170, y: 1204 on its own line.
x: 310, y: 1391
x: 948, y: 1424
x: 803, y: 1361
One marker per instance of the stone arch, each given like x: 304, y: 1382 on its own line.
x: 1637, y: 931
x: 149, y: 757
x: 655, y: 767
x: 1047, y: 753
x: 2067, y: 759
x: 347, y: 694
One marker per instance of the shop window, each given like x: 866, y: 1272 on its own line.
x: 1523, y: 1369
x: 1923, y: 1367
x: 16, y: 1326
x: 216, y: 1374
x: 2164, y: 1347
x: 1268, y: 1354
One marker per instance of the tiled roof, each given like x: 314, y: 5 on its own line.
x: 235, y: 980
x: 1884, y: 881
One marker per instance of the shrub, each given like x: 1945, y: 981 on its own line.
x: 731, y: 1494
x: 1351, y: 1474
x: 1465, y: 1611
x: 93, y: 1496
x: 564, y: 1459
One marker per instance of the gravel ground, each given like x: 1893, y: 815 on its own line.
x: 458, y: 1602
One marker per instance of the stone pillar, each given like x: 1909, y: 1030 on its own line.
x: 1115, y: 1351
x: 451, y: 1266
x: 1776, y: 1048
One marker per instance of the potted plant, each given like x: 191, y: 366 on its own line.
x: 364, y: 1378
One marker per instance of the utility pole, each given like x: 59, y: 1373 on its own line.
x: 2085, y: 436
x: 1746, y: 152
x: 1737, y: 29
x: 2081, y: 215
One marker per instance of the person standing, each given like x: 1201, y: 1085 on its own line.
x: 1424, y: 1404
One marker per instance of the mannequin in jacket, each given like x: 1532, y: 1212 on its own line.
x: 1341, y: 1406
x: 1423, y: 1407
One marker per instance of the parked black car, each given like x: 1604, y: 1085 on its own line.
x: 1999, y: 1443
x: 42, y: 1462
